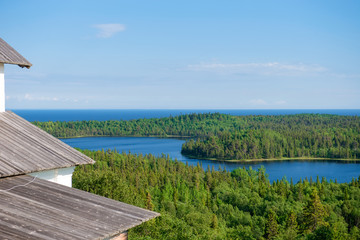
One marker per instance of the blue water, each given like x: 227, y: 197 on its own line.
x: 128, y: 114
x: 343, y: 172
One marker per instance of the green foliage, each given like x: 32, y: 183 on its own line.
x: 183, y: 125
x: 271, y: 225
x: 289, y: 136
x: 224, y: 136
x: 314, y: 213
x: 243, y: 204
x: 292, y: 221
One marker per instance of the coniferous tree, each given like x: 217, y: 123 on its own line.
x: 233, y: 208
x: 314, y: 213
x: 292, y: 221
x: 271, y: 225
x: 214, y: 222
x: 149, y: 204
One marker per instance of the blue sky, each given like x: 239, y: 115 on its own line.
x: 183, y: 54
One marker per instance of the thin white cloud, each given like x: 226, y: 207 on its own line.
x: 258, y: 102
x: 270, y: 68
x: 109, y: 29
x: 29, y: 97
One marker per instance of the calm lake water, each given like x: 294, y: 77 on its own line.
x: 339, y: 170
x: 342, y: 171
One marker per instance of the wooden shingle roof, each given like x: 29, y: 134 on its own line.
x: 38, y: 209
x: 25, y: 148
x: 11, y: 56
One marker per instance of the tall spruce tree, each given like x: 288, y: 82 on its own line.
x: 314, y: 213
x: 272, y: 226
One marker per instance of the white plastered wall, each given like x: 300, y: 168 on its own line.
x: 2, y: 88
x: 61, y: 176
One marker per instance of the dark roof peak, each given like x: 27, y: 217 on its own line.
x: 10, y: 56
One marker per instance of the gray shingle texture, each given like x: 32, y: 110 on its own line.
x: 10, y: 56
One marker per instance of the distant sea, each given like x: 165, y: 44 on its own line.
x: 129, y: 114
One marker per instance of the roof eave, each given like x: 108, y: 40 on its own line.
x: 22, y: 65
x: 26, y: 66
x: 9, y: 55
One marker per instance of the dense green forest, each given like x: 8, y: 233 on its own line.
x: 292, y: 136
x: 224, y: 136
x: 194, y: 125
x: 243, y: 204
x: 276, y: 144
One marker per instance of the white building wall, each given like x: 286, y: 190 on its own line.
x: 2, y: 88
x: 61, y: 176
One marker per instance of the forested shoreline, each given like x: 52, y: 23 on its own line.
x: 294, y: 136
x: 276, y: 144
x: 226, y: 137
x: 206, y: 204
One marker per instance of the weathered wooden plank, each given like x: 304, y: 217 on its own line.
x: 46, y: 210
x: 24, y: 148
x: 39, y: 136
x: 11, y: 56
x: 61, y: 198
x: 27, y: 229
